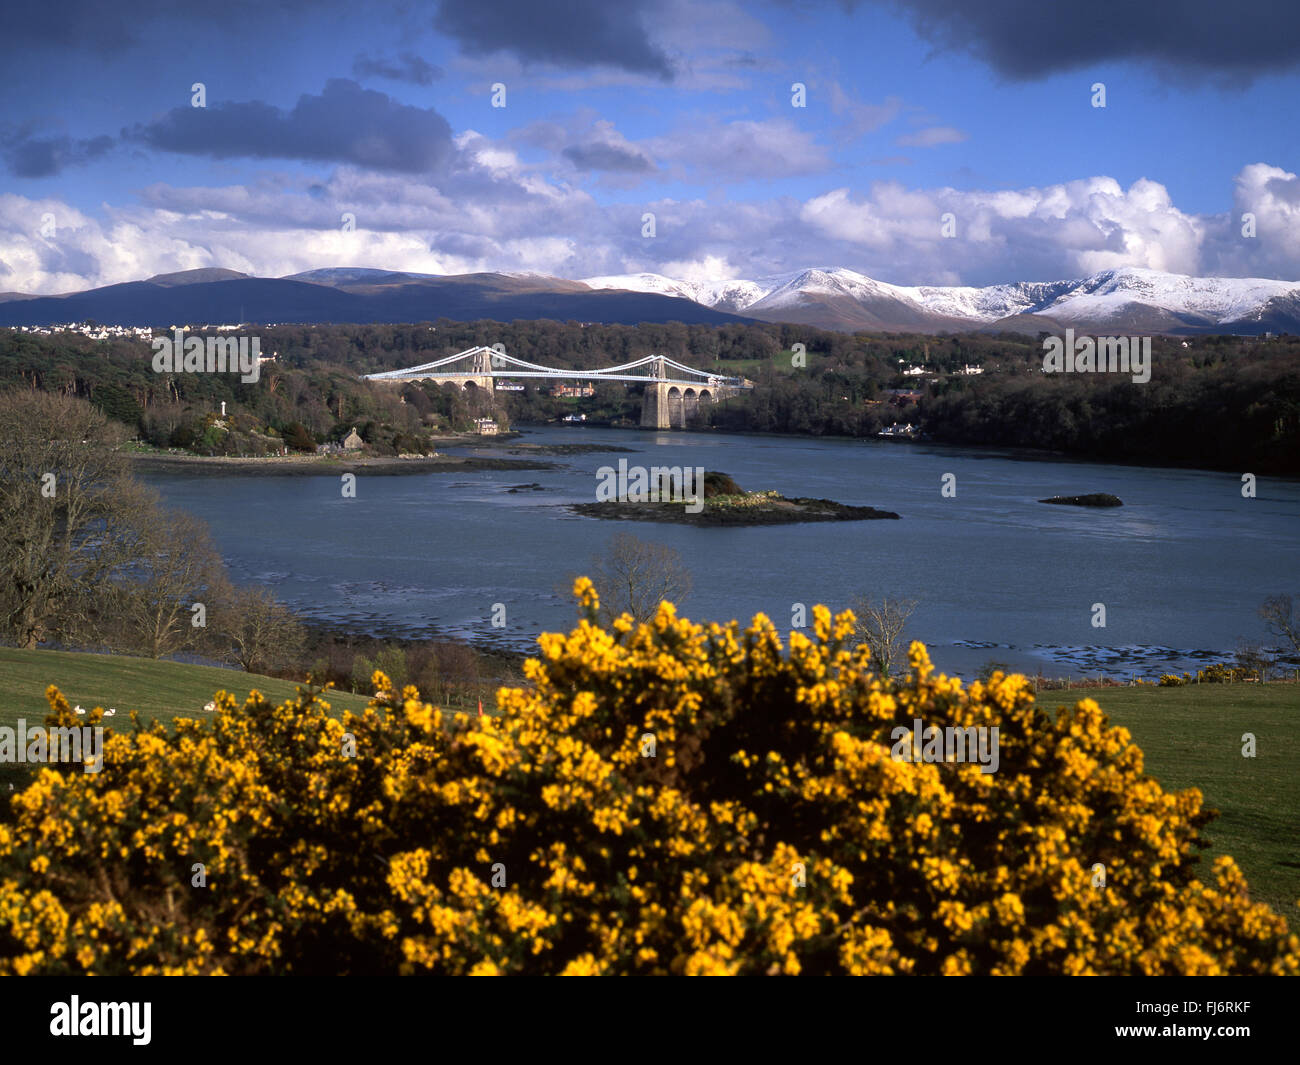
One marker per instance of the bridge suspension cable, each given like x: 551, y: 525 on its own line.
x: 533, y: 369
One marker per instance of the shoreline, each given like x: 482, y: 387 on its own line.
x: 317, y: 465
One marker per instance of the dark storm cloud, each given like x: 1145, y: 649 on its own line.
x: 30, y: 156
x: 344, y: 124
x: 107, y: 27
x: 568, y: 33
x: 406, y: 67
x: 601, y: 156
x: 1183, y: 39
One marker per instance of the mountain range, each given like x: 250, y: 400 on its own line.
x: 1126, y: 300
x: 1122, y: 301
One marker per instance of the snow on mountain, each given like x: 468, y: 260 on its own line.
x: 794, y: 288
x: 1219, y: 299
x: 722, y: 295
x: 1110, y: 295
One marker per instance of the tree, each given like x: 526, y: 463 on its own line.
x: 880, y: 626
x: 1279, y: 616
x: 256, y: 631
x: 298, y: 436
x: 65, y: 493
x: 166, y: 565
x: 634, y: 576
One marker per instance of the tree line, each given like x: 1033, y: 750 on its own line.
x: 1216, y: 402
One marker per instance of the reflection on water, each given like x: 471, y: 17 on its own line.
x: 1181, y: 568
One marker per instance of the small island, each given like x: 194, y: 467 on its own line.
x: 726, y: 503
x: 1097, y: 499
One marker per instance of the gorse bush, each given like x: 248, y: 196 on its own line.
x: 662, y: 798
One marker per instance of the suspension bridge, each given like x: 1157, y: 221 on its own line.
x: 672, y: 397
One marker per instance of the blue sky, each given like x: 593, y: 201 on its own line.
x: 383, y: 112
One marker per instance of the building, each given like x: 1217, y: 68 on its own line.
x: 353, y: 441
x: 486, y: 426
x: 971, y: 370
x: 573, y: 391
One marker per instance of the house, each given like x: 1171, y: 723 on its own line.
x: 353, y: 441
x: 486, y: 426
x: 972, y: 370
x: 573, y: 391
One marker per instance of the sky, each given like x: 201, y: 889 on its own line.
x: 916, y: 141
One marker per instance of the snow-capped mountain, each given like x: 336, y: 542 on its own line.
x: 1128, y: 299
x: 724, y: 295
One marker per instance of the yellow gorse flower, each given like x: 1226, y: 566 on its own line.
x: 767, y: 829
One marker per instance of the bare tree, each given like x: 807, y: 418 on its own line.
x: 1253, y: 656
x: 257, y: 631
x: 1279, y: 616
x: 633, y: 576
x: 64, y: 489
x: 880, y: 626
x: 168, y: 566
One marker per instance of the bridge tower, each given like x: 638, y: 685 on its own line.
x: 480, y: 371
x: 655, y: 406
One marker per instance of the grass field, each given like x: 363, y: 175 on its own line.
x: 156, y: 689
x: 1191, y: 737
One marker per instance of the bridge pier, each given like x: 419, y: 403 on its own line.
x: 654, y: 407
x: 673, y: 406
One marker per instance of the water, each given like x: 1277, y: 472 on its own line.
x: 1181, y: 568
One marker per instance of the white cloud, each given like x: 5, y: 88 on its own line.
x: 494, y: 212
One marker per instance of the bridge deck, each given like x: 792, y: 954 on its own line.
x: 480, y: 361
x: 594, y: 375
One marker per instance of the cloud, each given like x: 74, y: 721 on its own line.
x: 30, y: 156
x: 407, y: 67
x: 569, y: 33
x: 105, y: 28
x: 742, y: 150
x: 344, y: 124
x: 605, y: 156
x: 1181, y: 39
x: 932, y: 136
x: 699, y: 149
x: 1058, y: 231
x: 858, y: 118
x: 490, y: 211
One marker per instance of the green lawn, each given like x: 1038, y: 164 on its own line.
x: 157, y: 689
x: 1191, y: 737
